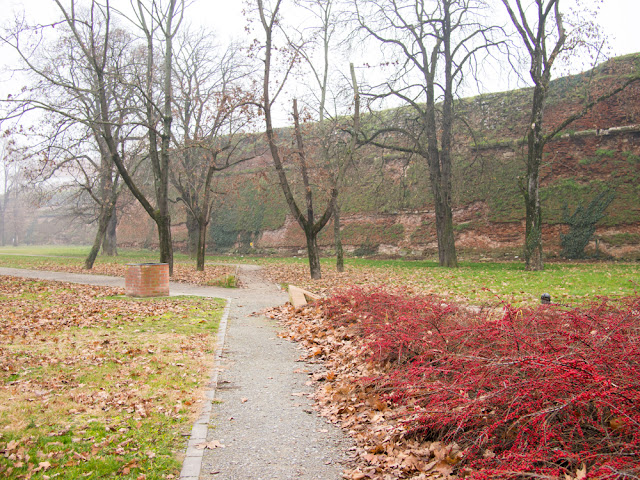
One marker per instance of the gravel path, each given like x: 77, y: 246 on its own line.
x: 260, y: 412
x: 262, y: 415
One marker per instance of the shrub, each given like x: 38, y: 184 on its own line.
x: 542, y: 392
x: 225, y: 281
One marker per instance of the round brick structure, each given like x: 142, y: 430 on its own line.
x: 147, y: 280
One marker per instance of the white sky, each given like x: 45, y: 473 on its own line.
x: 618, y: 18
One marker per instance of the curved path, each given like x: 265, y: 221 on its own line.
x: 259, y: 411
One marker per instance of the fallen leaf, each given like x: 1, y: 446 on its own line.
x: 210, y: 445
x: 581, y: 473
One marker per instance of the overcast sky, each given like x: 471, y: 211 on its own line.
x: 618, y: 18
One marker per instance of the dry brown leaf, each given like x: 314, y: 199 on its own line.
x: 581, y: 473
x: 213, y: 444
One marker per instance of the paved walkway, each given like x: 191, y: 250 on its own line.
x: 260, y: 411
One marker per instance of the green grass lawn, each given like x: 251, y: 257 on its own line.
x: 476, y: 282
x: 482, y: 282
x: 97, y: 385
x: 565, y: 282
x: 80, y: 252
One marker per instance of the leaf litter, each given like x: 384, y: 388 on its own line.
x: 433, y: 390
x: 383, y: 450
x: 87, y: 376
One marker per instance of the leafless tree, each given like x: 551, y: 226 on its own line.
x: 546, y: 36
x: 429, y: 46
x: 77, y: 89
x: 213, y: 108
x: 10, y: 178
x: 269, y: 17
x: 159, y: 22
x: 332, y: 134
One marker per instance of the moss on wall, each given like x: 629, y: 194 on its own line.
x: 486, y: 169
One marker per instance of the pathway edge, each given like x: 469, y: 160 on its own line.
x: 192, y: 465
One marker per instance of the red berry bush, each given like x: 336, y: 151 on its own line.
x: 529, y: 392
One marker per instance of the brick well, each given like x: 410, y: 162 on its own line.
x: 147, y: 280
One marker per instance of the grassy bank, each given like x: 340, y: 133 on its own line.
x: 477, y: 283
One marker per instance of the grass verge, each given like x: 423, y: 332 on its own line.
x: 475, y: 283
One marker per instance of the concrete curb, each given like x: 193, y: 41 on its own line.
x: 192, y: 464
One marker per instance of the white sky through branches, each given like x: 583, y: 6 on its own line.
x: 618, y: 20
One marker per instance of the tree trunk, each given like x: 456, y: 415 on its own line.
x: 15, y: 241
x: 442, y: 199
x: 444, y: 217
x: 535, y: 144
x: 201, y: 247
x: 193, y: 235
x: 446, y: 239
x: 103, y: 224
x: 309, y: 226
x: 337, y: 235
x: 164, y: 237
x: 314, y: 254
x: 110, y: 241
x: 533, y: 225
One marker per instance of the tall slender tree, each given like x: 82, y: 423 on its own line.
x: 544, y: 37
x: 270, y: 22
x: 428, y: 47
x: 542, y: 27
x: 10, y: 180
x: 159, y: 22
x: 77, y: 85
x: 213, y: 110
x: 333, y: 152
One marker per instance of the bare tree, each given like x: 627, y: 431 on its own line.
x: 542, y: 28
x: 269, y: 16
x: 543, y: 46
x: 10, y: 182
x: 77, y: 85
x: 429, y: 45
x: 213, y: 109
x: 18, y: 196
x: 333, y: 136
x: 159, y: 22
